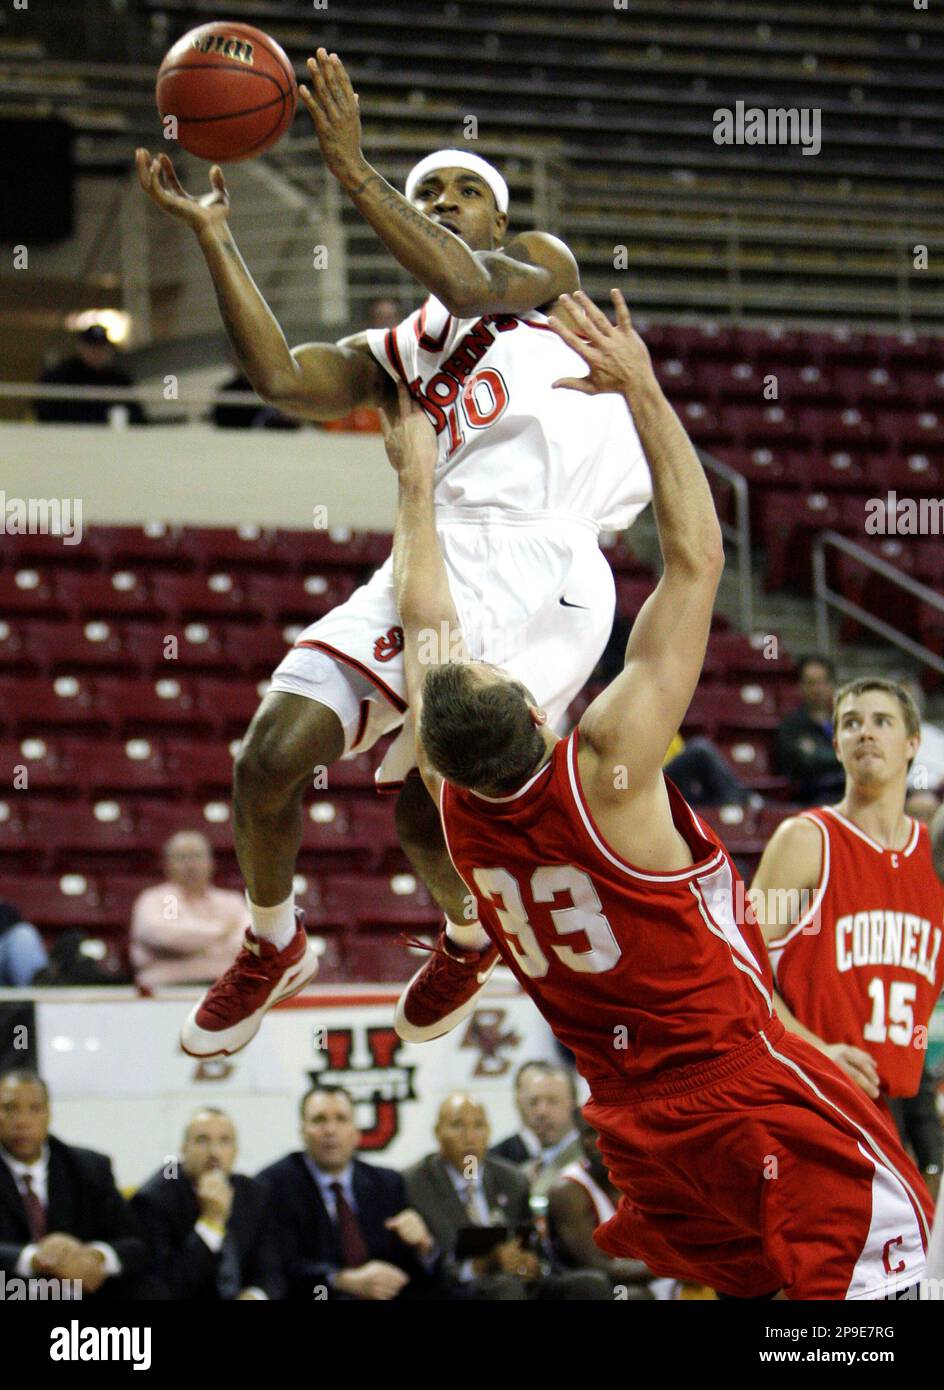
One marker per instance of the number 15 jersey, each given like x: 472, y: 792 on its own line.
x: 864, y: 964
x: 634, y: 971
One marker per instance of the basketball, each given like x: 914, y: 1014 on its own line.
x: 231, y: 89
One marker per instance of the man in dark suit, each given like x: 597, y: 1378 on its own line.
x: 61, y: 1215
x: 460, y: 1188
x: 211, y: 1230
x: 548, y: 1140
x: 345, y: 1230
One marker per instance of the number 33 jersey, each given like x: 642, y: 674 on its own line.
x: 864, y: 964
x: 506, y: 438
x: 634, y: 971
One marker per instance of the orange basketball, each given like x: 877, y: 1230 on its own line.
x: 231, y: 89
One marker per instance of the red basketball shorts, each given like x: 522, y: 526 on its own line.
x: 766, y: 1169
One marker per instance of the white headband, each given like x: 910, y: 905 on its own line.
x: 459, y: 159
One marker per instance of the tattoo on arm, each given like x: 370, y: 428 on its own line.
x: 392, y: 201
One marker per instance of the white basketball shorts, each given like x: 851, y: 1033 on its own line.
x: 534, y: 595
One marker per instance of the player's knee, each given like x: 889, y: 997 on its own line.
x: 282, y: 746
x: 417, y: 819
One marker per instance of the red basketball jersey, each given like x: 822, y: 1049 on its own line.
x: 864, y: 964
x: 634, y: 971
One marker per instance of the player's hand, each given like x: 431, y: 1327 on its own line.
x: 215, y: 1195
x: 159, y: 180
x: 409, y: 438
x: 88, y: 1266
x: 376, y: 1280
x: 616, y: 355
x: 412, y: 1230
x: 332, y: 104
x: 53, y: 1251
x: 858, y: 1065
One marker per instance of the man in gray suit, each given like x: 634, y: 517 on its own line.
x: 460, y: 1191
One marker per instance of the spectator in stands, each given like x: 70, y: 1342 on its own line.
x: 582, y: 1198
x: 211, y: 1230
x: 345, y: 1228
x: 805, y: 738
x: 185, y: 931
x: 93, y: 362
x: 548, y: 1140
x: 22, y: 952
x: 702, y: 776
x: 61, y: 1215
x: 460, y: 1191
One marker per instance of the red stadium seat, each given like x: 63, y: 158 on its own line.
x: 101, y: 767
x: 185, y: 597
x: 44, y: 551
x: 15, y: 652
x: 124, y: 593
x: 56, y: 902
x: 258, y: 649
x: 304, y: 597
x: 35, y: 704
x: 129, y: 547
x: 42, y: 591
x: 400, y: 902
x: 92, y: 645
x: 316, y: 550
x: 228, y: 705
x: 141, y: 704
x: 165, y: 648
x: 156, y: 822
x: 213, y: 548
x: 206, y: 765
x: 42, y: 761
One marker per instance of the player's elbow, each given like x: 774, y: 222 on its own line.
x: 461, y: 301
x: 701, y: 562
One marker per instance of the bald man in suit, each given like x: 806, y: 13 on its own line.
x: 461, y: 1187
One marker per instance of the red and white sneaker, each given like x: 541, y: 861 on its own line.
x: 443, y: 991
x: 230, y: 1013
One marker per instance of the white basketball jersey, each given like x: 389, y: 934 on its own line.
x: 506, y: 439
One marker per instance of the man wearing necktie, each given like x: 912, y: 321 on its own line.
x: 546, y: 1099
x: 345, y: 1227
x: 61, y: 1215
x: 212, y: 1230
x: 461, y: 1187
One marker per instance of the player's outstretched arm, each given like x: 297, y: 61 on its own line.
x: 431, y: 631
x: 781, y: 894
x: 631, y: 724
x: 532, y: 269
x: 320, y: 381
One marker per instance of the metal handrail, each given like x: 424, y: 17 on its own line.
x: 825, y: 597
x: 739, y: 535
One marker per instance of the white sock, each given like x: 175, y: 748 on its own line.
x: 275, y: 924
x: 472, y: 936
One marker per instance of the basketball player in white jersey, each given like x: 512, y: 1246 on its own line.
x: 527, y: 478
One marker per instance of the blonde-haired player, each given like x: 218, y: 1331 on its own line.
x: 851, y: 907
